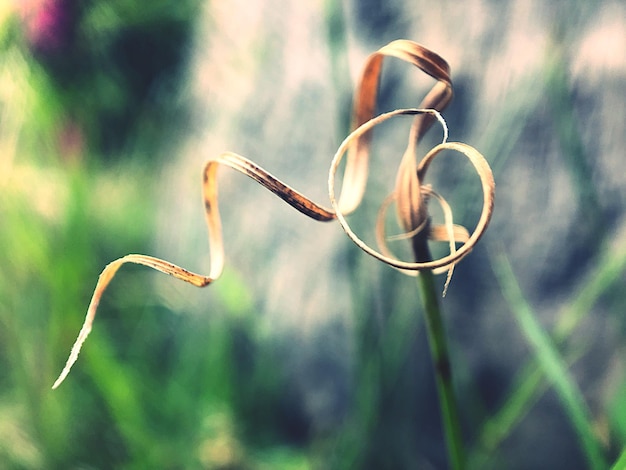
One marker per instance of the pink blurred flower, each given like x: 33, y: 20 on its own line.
x: 48, y: 24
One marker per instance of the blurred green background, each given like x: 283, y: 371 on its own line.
x: 306, y: 353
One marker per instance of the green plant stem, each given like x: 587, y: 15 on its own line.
x: 441, y: 359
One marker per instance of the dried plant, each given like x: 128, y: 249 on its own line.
x: 411, y: 196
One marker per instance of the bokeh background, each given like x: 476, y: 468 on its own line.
x: 306, y: 353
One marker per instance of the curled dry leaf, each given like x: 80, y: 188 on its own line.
x: 410, y: 196
x: 475, y: 158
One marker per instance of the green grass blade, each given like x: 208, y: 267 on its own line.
x: 620, y: 463
x: 550, y: 362
x: 529, y: 383
x: 528, y: 386
x: 611, y: 266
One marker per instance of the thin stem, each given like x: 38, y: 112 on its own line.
x: 440, y: 357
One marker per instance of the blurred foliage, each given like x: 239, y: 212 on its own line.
x: 107, y: 72
x: 89, y: 101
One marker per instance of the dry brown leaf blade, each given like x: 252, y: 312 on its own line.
x: 366, y: 97
x: 103, y: 281
x: 216, y: 246
x: 411, y: 208
x: 353, y: 185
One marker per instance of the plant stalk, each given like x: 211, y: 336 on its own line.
x: 441, y: 358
